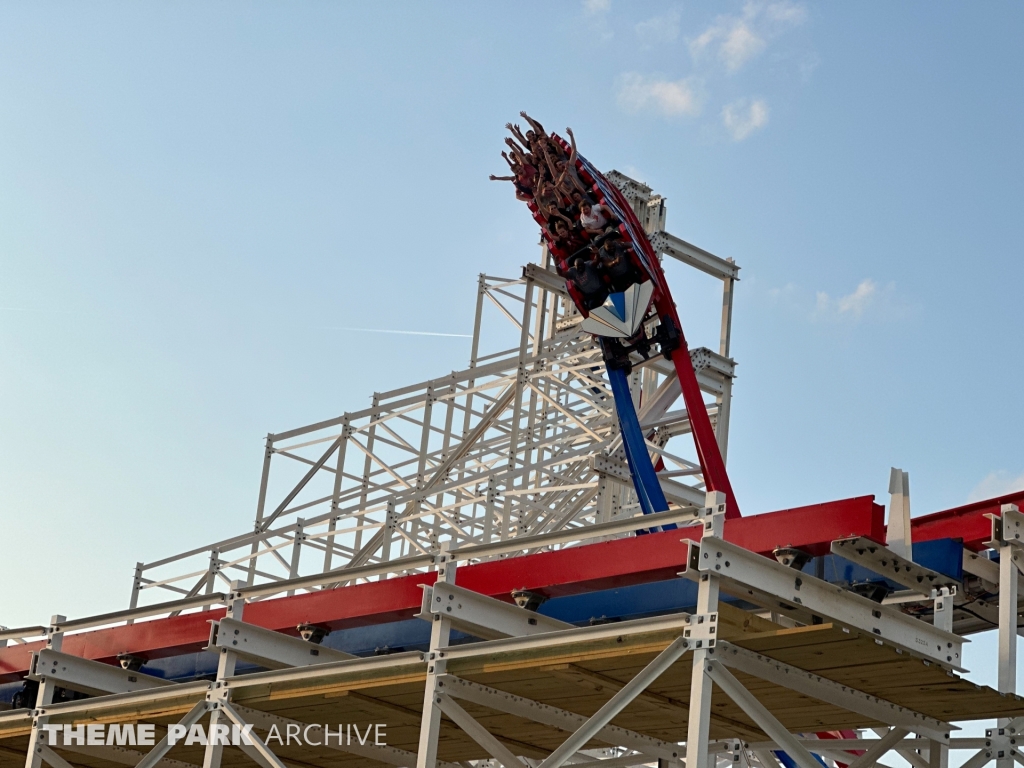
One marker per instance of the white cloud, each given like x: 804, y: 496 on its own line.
x: 786, y: 13
x: 739, y: 45
x: 595, y: 13
x: 738, y: 39
x: 640, y: 93
x: 783, y: 295
x: 659, y: 29
x: 867, y: 302
x: 856, y: 302
x: 743, y: 117
x: 852, y: 305
x: 998, y: 483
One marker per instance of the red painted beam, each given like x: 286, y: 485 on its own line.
x: 588, y: 568
x: 967, y: 522
x: 812, y: 528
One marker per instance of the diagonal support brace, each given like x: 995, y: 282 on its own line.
x: 265, y: 755
x: 162, y: 747
x: 887, y: 742
x: 479, y: 734
x: 759, y: 714
x: 617, y: 703
x: 561, y: 719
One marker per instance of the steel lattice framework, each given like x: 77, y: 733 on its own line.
x: 521, y: 443
x: 404, y: 510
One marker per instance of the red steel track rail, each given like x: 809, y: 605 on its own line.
x: 606, y: 565
x: 587, y: 568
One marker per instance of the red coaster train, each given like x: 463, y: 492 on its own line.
x: 613, y: 276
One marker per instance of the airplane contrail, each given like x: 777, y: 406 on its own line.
x: 326, y: 327
x: 403, y: 333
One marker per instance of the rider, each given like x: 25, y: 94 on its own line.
x: 615, y: 259
x: 584, y: 273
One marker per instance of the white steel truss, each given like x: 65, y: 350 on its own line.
x: 520, y: 452
x: 516, y: 632
x: 522, y: 443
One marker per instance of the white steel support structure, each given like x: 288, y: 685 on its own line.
x: 44, y: 697
x: 226, y: 660
x: 518, y: 453
x: 508, y: 629
x: 1008, y: 540
x: 440, y: 632
x: 522, y: 442
x: 697, y: 731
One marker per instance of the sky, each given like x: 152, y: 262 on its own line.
x: 200, y: 202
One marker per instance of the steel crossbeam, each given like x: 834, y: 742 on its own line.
x: 268, y: 648
x: 483, y: 616
x: 693, y: 256
x: 813, y: 601
x: 826, y: 690
x: 87, y: 676
x: 883, y: 561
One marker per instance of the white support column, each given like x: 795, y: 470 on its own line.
x: 489, y: 506
x: 211, y: 574
x: 699, y: 723
x: 416, y: 505
x: 724, y: 400
x: 339, y: 479
x: 897, y: 536
x: 440, y: 631
x: 1007, y: 612
x: 938, y: 754
x: 44, y: 697
x: 297, y: 540
x: 261, y: 503
x: 220, y: 695
x: 133, y: 601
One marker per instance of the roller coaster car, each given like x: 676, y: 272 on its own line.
x: 612, y: 285
x: 625, y: 301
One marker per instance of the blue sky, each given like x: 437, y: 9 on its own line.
x: 195, y: 198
